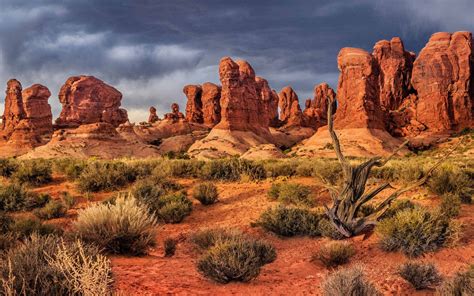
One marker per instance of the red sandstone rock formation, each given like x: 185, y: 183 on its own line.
x: 211, y: 106
x: 442, y: 77
x: 175, y: 115
x: 37, y: 109
x: 358, y: 91
x: 269, y: 102
x: 194, y: 103
x: 290, y: 110
x: 395, y: 65
x: 153, y: 117
x: 242, y: 108
x: 316, y: 110
x: 14, y: 111
x: 86, y: 99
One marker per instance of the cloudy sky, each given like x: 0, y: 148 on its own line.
x: 150, y: 49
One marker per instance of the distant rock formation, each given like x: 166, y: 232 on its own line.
x: 86, y: 99
x: 316, y: 110
x: 203, y: 104
x: 175, y: 114
x: 38, y: 110
x: 290, y: 110
x: 194, y: 103
x: 14, y: 111
x: 153, y: 117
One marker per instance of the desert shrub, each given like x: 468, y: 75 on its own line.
x: 235, y: 257
x: 291, y: 193
x: 350, y: 281
x: 207, y: 238
x: 206, y: 193
x: 50, y: 266
x: 15, y: 197
x: 103, y: 175
x: 329, y: 171
x: 71, y: 168
x: 327, y: 229
x: 290, y: 221
x: 231, y: 170
x: 452, y: 180
x: 276, y: 169
x: 35, y: 172
x: 7, y: 241
x: 124, y: 227
x: 68, y: 200
x: 450, y: 205
x: 179, y: 168
x: 398, y: 206
x: 170, y: 247
x: 173, y: 208
x: 53, y: 209
x: 407, y: 170
x: 416, y: 231
x: 23, y: 227
x: 335, y: 253
x: 5, y: 222
x: 7, y: 167
x: 462, y: 284
x: 305, y: 169
x: 420, y: 275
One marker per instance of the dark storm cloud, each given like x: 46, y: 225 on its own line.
x: 150, y: 49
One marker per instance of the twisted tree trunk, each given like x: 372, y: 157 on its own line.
x: 347, y: 202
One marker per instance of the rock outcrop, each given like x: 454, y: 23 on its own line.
x: 14, y: 111
x: 153, y: 117
x: 175, y: 114
x: 290, y: 110
x: 194, y: 104
x: 316, y: 110
x: 442, y: 76
x: 211, y: 105
x: 38, y: 110
x: 395, y: 68
x: 86, y: 100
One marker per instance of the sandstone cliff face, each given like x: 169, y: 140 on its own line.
x: 316, y: 110
x: 14, y: 111
x: 395, y: 67
x: 153, y: 117
x: 211, y: 105
x: 86, y: 100
x: 290, y: 110
x: 358, y: 91
x: 175, y: 115
x: 194, y: 104
x: 37, y: 108
x: 442, y: 76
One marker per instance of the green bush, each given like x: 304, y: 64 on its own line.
x: 231, y: 170
x: 329, y: 171
x: 102, y: 175
x: 420, y: 275
x: 291, y: 193
x: 462, y: 284
x: 350, y: 281
x: 450, y: 205
x: 327, y: 229
x: 207, y: 238
x: 280, y: 168
x: 206, y: 193
x: 8, y: 166
x: 236, y: 258
x: 179, y: 168
x: 26, y: 226
x: 290, y: 221
x: 71, y: 168
x: 452, y: 180
x: 49, y: 265
x: 35, y: 172
x: 15, y: 197
x: 398, y: 206
x: 125, y: 227
x: 416, y: 231
x: 53, y: 209
x: 335, y: 253
x: 170, y: 247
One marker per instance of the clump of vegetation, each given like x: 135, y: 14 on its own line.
x: 53, y: 209
x: 350, y: 281
x: 206, y: 193
x: 34, y: 172
x: 417, y: 231
x: 16, y: 197
x: 207, y: 238
x: 450, y: 205
x: 70, y: 167
x: 335, y: 253
x: 179, y: 168
x: 276, y: 169
x: 234, y: 257
x: 124, y: 227
x: 291, y: 193
x: 461, y: 284
x: 327, y: 229
x: 232, y: 169
x: 420, y: 275
x: 104, y: 175
x: 170, y: 247
x: 24, y: 227
x: 49, y: 265
x: 173, y: 208
x: 290, y: 221
x: 7, y: 167
x: 328, y: 170
x: 452, y: 180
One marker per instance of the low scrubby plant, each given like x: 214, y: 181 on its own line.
x: 53, y: 209
x: 420, y: 275
x: 68, y: 200
x: 232, y: 169
x: 235, y: 257
x: 173, y: 208
x: 291, y: 193
x: 450, y: 205
x: 15, y: 197
x: 179, y: 168
x: 329, y: 171
x: 207, y: 238
x: 7, y: 167
x: 417, y: 231
x: 71, y: 168
x: 104, y: 175
x: 49, y: 265
x: 34, y: 172
x: 170, y: 247
x: 327, y: 229
x: 290, y: 221
x: 397, y: 206
x: 460, y: 284
x: 206, y: 193
x: 23, y: 227
x: 124, y: 227
x: 449, y: 179
x: 278, y: 168
x: 350, y: 281
x: 335, y: 253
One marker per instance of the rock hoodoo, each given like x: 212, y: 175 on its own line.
x: 14, y: 111
x: 316, y: 109
x: 86, y: 100
x: 37, y: 109
x: 175, y: 114
x: 211, y: 106
x: 290, y: 110
x: 194, y: 103
x: 153, y: 117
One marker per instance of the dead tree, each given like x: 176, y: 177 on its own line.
x: 348, y: 200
